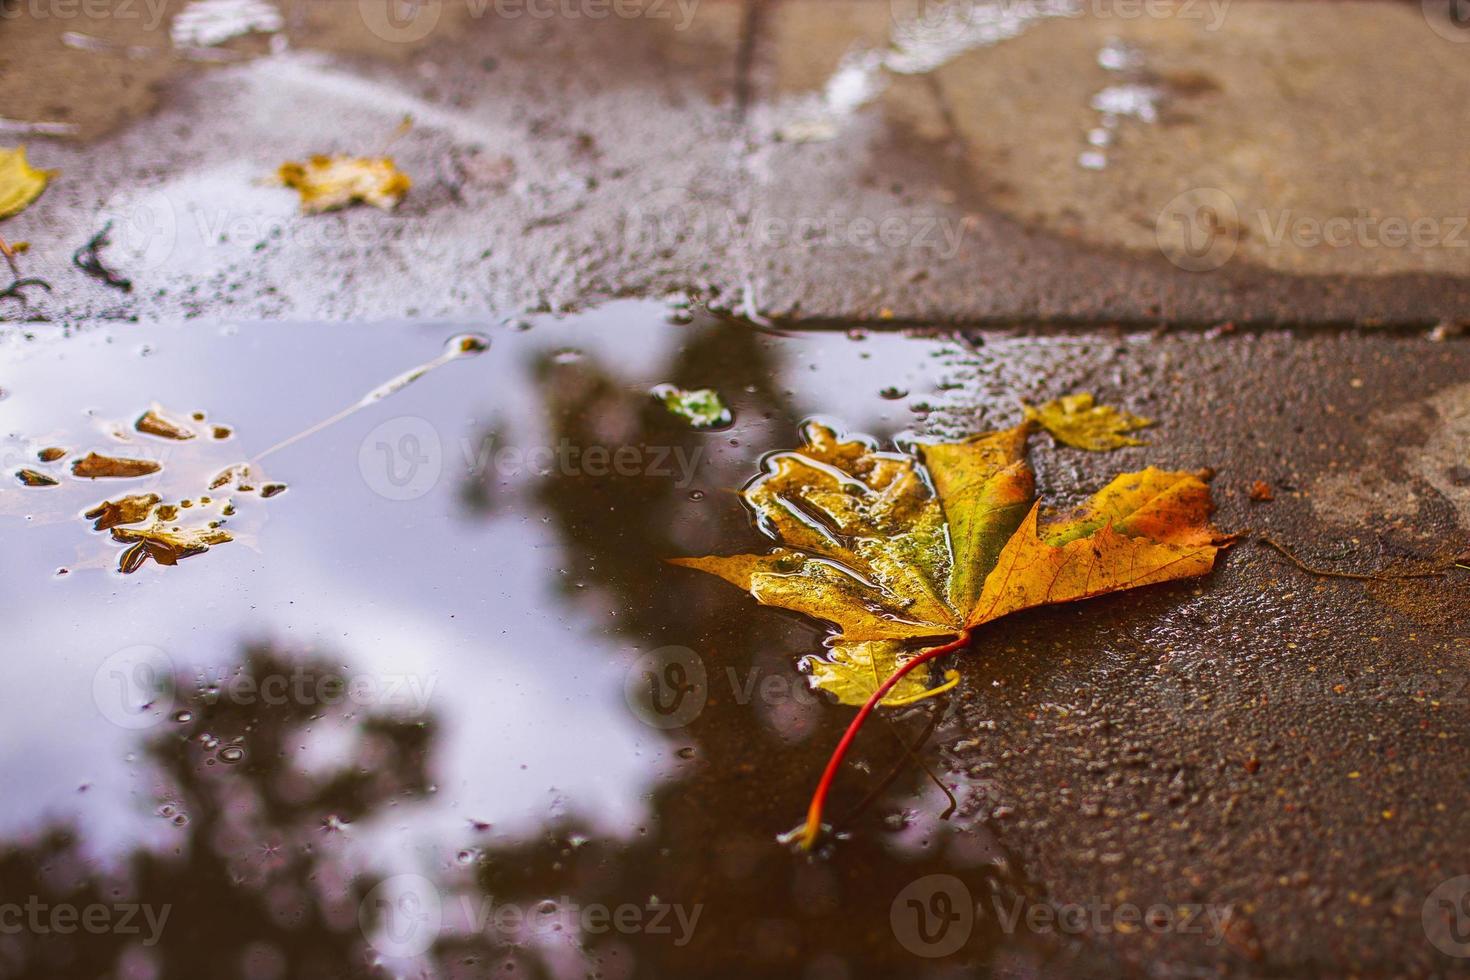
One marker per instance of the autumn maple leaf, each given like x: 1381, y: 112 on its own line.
x: 901, y: 550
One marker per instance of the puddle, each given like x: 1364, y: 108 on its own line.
x: 430, y: 676
x: 922, y: 38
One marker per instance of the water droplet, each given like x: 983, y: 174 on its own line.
x: 467, y: 344
x: 687, y: 752
x: 466, y: 856
x: 567, y: 355
x: 231, y: 754
x: 893, y: 393
x: 696, y: 494
x: 183, y: 716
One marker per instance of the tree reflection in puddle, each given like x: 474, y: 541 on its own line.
x: 528, y: 816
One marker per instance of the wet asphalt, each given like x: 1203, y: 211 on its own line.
x: 1289, y: 743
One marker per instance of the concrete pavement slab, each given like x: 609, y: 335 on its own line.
x: 1041, y: 161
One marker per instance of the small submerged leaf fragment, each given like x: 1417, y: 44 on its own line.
x: 95, y: 466
x: 164, y: 544
x: 1079, y: 422
x: 125, y: 510
x: 182, y: 517
x: 329, y: 182
x: 154, y: 423
x: 20, y: 183
x: 702, y: 408
x: 34, y: 478
x: 236, y: 474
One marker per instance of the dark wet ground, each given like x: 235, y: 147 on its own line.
x: 1268, y: 767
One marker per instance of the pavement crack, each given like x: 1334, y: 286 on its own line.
x: 752, y: 26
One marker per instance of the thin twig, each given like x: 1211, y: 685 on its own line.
x: 88, y: 259
x: 1359, y: 576
x: 912, y: 753
x: 893, y: 773
x: 13, y: 291
x: 7, y: 250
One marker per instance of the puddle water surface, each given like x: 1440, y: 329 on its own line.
x: 436, y: 707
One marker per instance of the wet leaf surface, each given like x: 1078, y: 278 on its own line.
x: 155, y: 423
x: 181, y: 515
x: 126, y: 510
x: 95, y: 466
x: 1077, y: 421
x: 35, y: 478
x: 874, y: 550
x: 20, y: 183
x: 165, y: 542
x: 326, y: 183
x: 702, y: 408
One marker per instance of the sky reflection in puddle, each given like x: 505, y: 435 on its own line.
x: 425, y: 654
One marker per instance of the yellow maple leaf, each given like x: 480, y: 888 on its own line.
x: 1082, y: 424
x: 852, y: 671
x: 899, y: 550
x: 20, y: 183
x: 329, y: 182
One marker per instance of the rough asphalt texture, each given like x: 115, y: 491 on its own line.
x: 1287, y: 743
